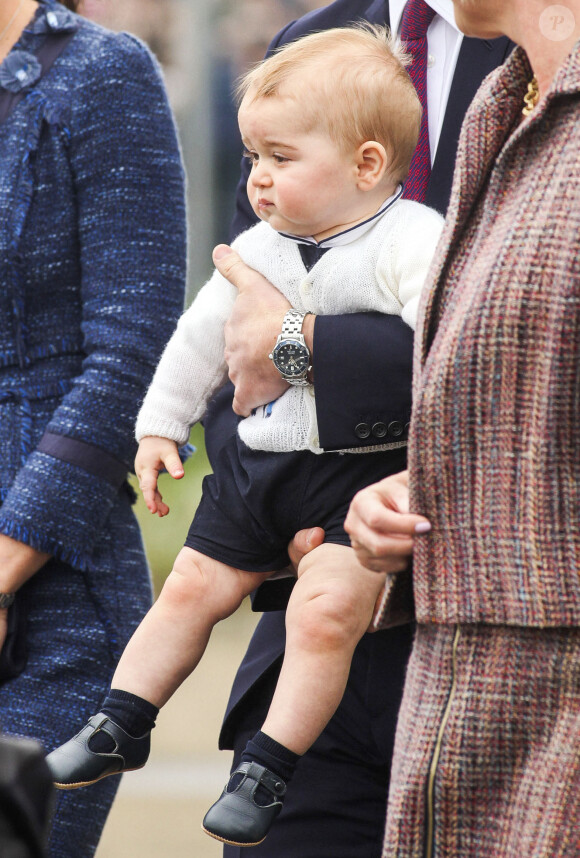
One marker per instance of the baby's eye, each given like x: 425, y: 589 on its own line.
x: 280, y: 159
x: 252, y: 157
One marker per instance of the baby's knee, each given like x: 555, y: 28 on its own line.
x: 330, y: 619
x: 213, y: 587
x: 188, y: 579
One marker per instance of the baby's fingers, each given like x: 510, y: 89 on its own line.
x: 148, y: 486
x: 159, y: 506
x: 173, y: 464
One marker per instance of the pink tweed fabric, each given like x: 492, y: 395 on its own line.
x: 494, y: 462
x: 494, y: 450
x: 508, y: 778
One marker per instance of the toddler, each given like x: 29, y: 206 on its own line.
x: 329, y: 123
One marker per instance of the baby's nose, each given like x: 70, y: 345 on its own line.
x: 261, y: 176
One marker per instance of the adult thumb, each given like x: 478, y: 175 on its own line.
x: 230, y: 265
x: 303, y: 543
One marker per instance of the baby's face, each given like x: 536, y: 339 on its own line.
x: 301, y: 182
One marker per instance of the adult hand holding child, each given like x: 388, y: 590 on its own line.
x: 258, y: 311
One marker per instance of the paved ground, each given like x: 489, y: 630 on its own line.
x: 158, y: 811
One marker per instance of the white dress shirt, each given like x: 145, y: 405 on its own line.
x: 443, y: 43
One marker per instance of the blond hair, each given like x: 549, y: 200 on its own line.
x: 350, y: 81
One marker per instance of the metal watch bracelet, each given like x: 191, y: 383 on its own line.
x: 292, y: 323
x: 292, y: 330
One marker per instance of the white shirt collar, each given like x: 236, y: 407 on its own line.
x: 444, y: 8
x: 353, y: 232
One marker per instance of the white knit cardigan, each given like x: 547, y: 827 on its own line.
x: 382, y: 270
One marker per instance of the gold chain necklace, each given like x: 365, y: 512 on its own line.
x: 531, y: 97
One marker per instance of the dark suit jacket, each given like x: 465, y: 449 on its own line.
x: 362, y: 362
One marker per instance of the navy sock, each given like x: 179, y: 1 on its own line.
x: 134, y: 714
x: 267, y: 752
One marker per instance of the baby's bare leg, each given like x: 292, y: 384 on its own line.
x: 330, y: 609
x: 172, y: 637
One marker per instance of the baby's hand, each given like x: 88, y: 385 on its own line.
x: 153, y: 455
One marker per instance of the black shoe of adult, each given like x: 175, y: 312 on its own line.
x: 74, y: 765
x: 236, y: 817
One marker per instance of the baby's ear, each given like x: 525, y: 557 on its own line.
x: 372, y: 163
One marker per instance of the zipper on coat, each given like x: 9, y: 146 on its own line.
x: 430, y: 838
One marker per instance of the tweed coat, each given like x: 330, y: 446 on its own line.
x: 92, y: 260
x: 487, y: 756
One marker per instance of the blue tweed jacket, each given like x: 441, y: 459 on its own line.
x: 92, y: 268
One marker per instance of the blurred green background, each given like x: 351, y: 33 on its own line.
x: 164, y: 537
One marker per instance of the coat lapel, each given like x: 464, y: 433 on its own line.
x: 377, y: 12
x: 472, y: 169
x: 477, y: 58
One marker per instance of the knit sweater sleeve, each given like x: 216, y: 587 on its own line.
x: 405, y: 258
x: 191, y: 368
x: 128, y: 181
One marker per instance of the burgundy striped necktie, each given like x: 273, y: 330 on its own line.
x: 417, y: 16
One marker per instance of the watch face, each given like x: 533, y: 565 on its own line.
x: 291, y: 358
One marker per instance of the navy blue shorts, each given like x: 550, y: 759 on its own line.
x: 254, y: 502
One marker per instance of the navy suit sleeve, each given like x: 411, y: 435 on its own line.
x: 362, y: 372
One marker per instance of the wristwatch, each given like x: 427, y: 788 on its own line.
x: 6, y: 599
x: 290, y: 355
